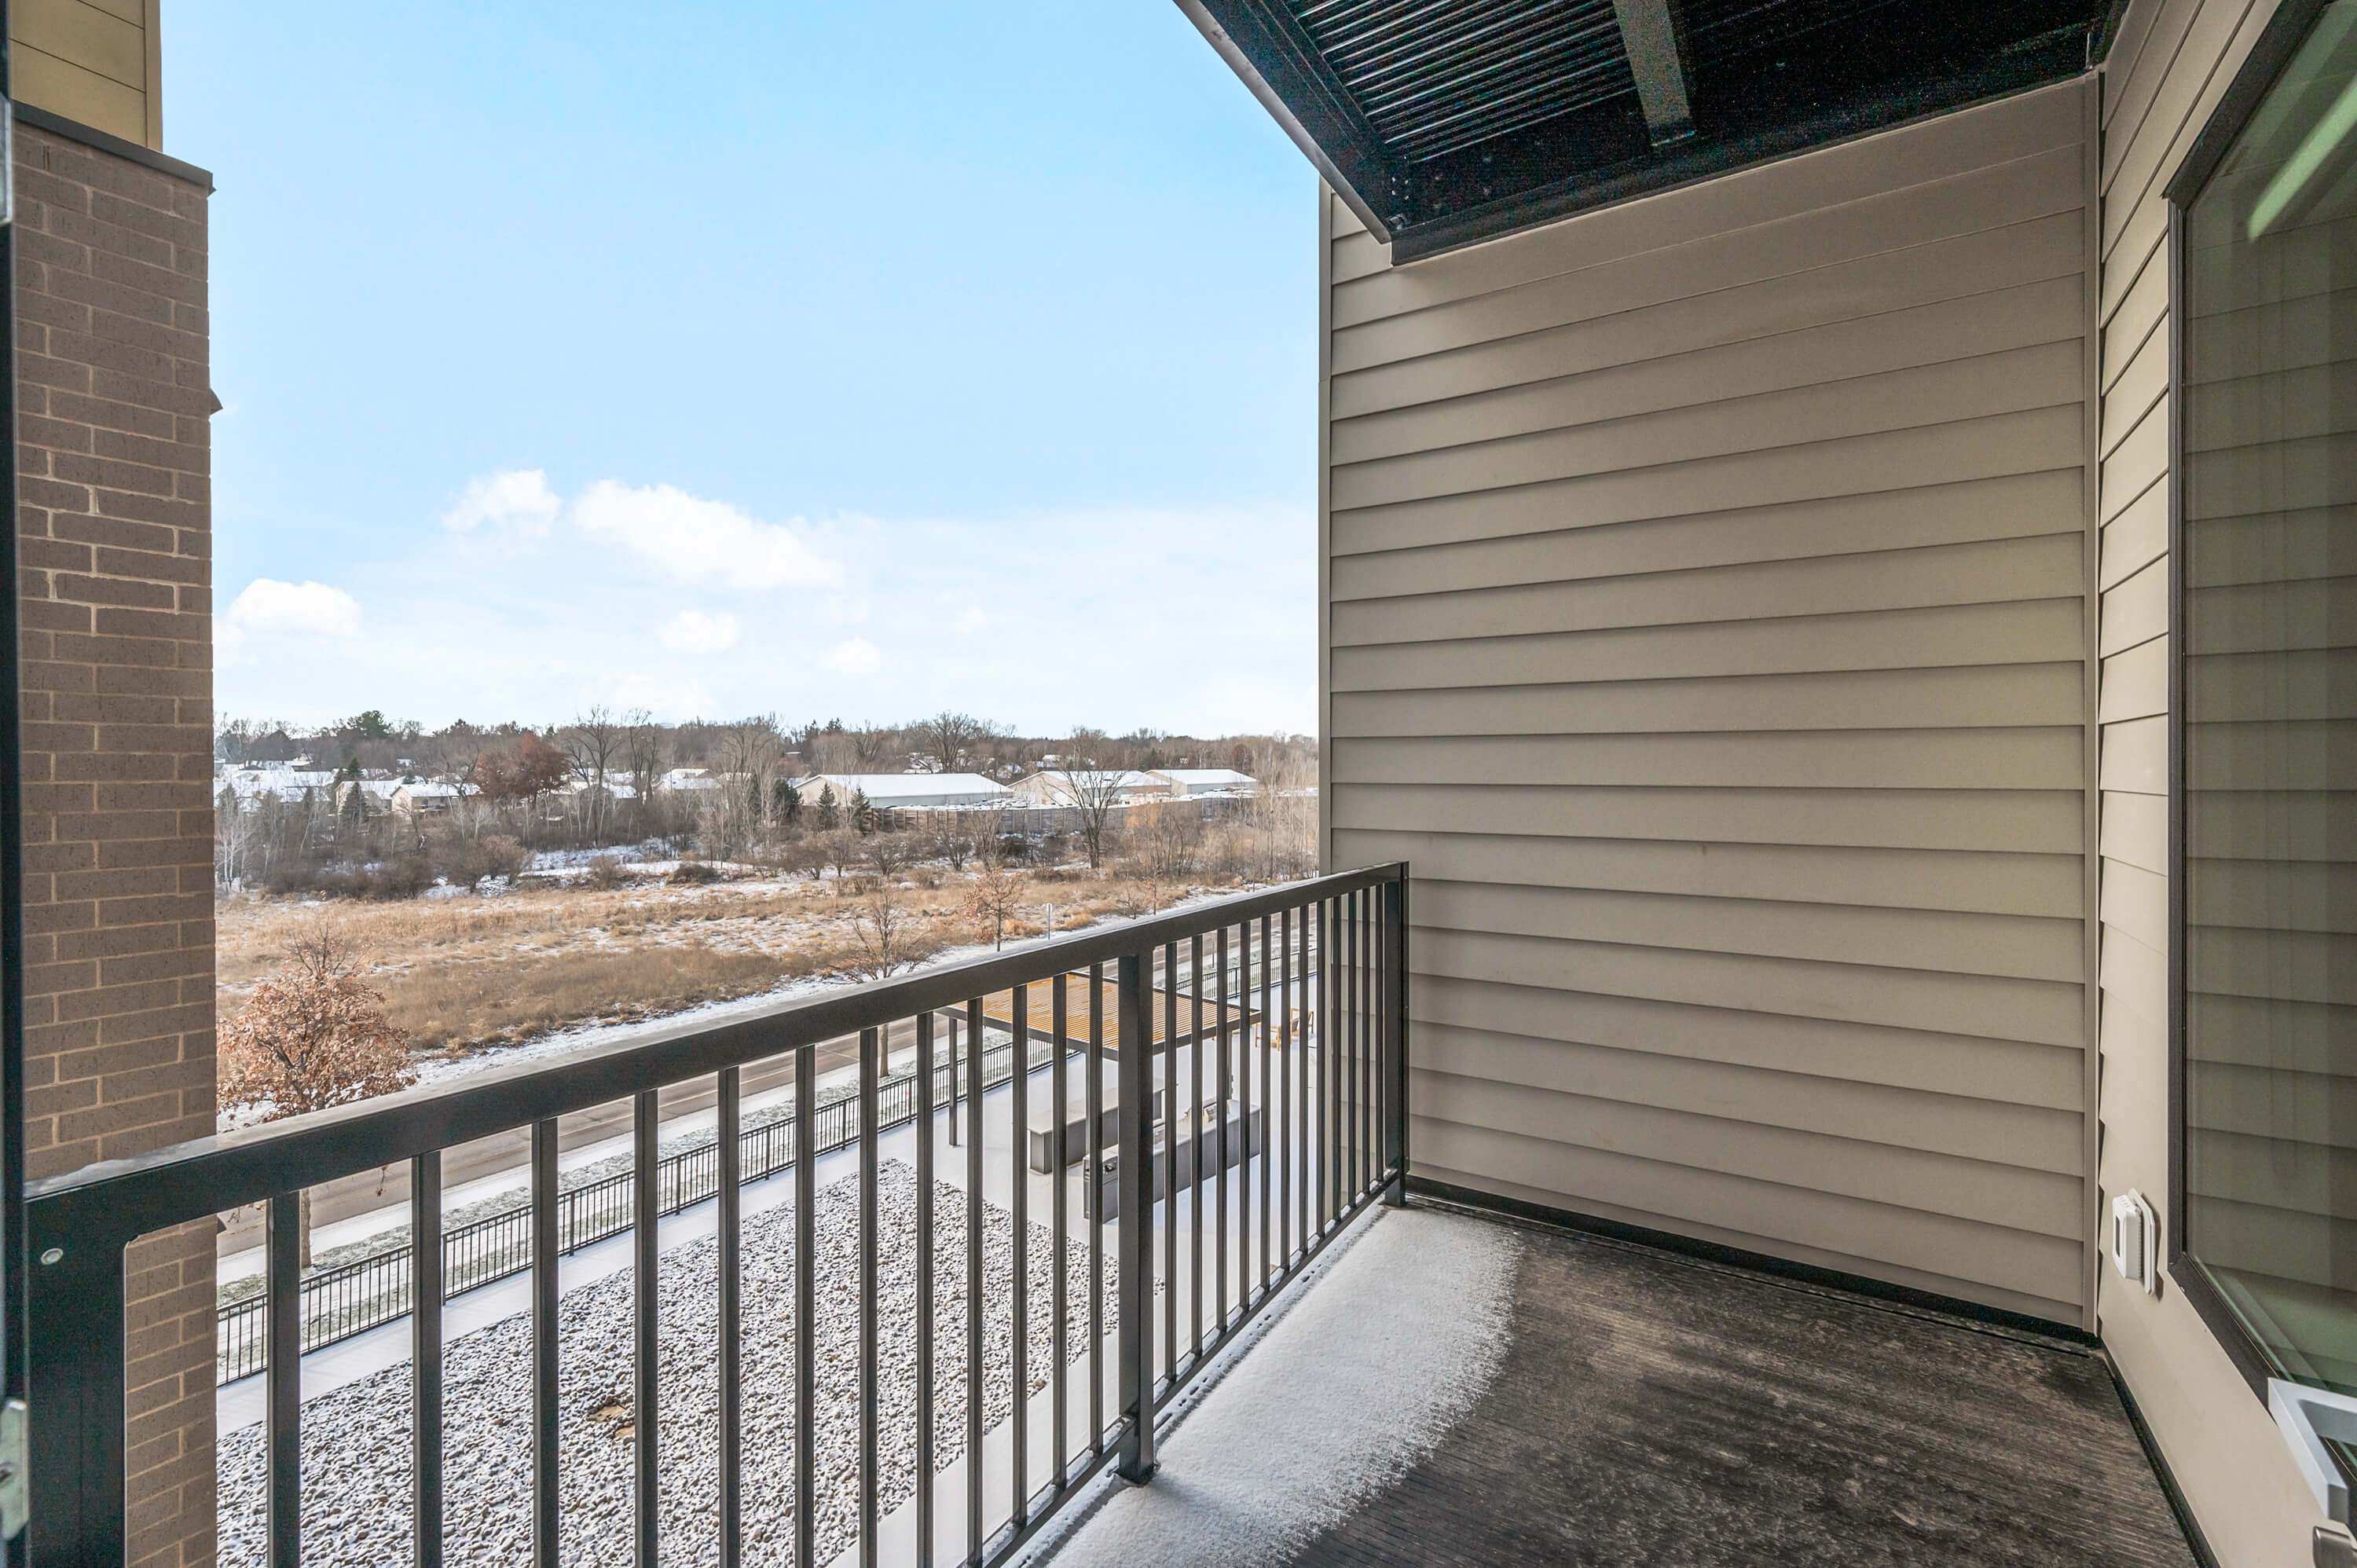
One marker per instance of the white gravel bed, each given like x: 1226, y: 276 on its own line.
x: 356, y: 1440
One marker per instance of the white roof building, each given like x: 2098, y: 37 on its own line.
x: 691, y: 779
x: 902, y: 791
x: 1055, y: 787
x: 1210, y: 781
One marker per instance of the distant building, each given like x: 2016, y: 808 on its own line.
x: 1055, y: 787
x: 905, y: 791
x: 692, y: 781
x: 1190, y: 782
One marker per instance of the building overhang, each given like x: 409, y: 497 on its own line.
x: 1444, y: 123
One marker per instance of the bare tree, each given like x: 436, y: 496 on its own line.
x: 879, y: 926
x: 596, y: 741
x: 643, y: 758
x: 1092, y: 789
x: 313, y: 1036
x: 949, y: 739
x: 991, y: 898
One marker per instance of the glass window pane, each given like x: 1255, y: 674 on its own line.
x: 2269, y: 573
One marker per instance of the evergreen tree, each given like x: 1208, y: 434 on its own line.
x: 828, y: 814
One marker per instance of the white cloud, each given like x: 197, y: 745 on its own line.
x: 857, y: 657
x: 269, y: 607
x: 304, y: 609
x: 693, y: 631
x: 516, y: 496
x: 696, y: 541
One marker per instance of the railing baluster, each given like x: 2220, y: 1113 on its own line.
x: 1366, y: 981
x: 1019, y: 1116
x: 1195, y: 1141
x: 646, y: 1312
x: 1267, y: 1106
x: 925, y: 1290
x: 1134, y: 1269
x: 545, y: 1305
x: 870, y: 1479
x: 1092, y: 1207
x: 1222, y: 1091
x: 805, y: 1306
x: 425, y: 1357
x: 728, y: 1220
x: 1060, y: 1092
x: 973, y: 1283
x: 284, y: 1394
x: 1286, y: 1066
x: 1171, y: 1120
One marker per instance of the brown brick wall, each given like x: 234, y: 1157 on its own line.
x: 116, y: 525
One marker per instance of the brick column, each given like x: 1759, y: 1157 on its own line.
x: 116, y: 525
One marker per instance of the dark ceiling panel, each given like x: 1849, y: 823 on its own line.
x: 1454, y: 121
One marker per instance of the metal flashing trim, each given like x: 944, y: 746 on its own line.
x: 107, y: 142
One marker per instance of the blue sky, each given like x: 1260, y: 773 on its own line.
x: 730, y: 357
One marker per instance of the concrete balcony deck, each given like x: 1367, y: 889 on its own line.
x: 1457, y: 1388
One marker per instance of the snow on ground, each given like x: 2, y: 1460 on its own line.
x: 356, y: 1440
x: 1358, y: 1380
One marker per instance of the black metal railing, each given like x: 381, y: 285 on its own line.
x: 1242, y: 1096
x: 348, y: 1299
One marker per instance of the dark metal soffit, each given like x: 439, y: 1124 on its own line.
x: 1442, y: 123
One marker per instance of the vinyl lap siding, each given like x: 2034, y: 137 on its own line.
x: 2166, y: 74
x: 1707, y: 623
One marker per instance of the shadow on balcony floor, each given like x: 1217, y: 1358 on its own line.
x: 1633, y: 1406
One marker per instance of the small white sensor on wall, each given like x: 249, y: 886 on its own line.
x: 2134, y: 1239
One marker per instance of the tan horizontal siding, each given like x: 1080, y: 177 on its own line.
x: 2003, y: 1071
x: 2049, y: 821
x: 2007, y: 632
x: 2168, y: 70
x: 1707, y: 622
x: 92, y: 61
x: 1988, y: 881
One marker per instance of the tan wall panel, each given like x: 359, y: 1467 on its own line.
x: 1986, y: 197
x: 2136, y: 830
x: 2137, y: 537
x: 2011, y: 945
x: 2047, y: 822
x: 2040, y: 1012
x: 1945, y: 395
x: 1902, y: 338
x: 1706, y: 611
x: 2007, y: 695
x: 2019, y: 506
x: 1985, y: 882
x: 1914, y: 1179
x: 2004, y: 760
x: 2013, y: 1072
x: 1965, y: 1127
x: 2008, y: 633
x: 1996, y: 571
x: 2038, y: 441
x: 2166, y: 74
x: 90, y: 61
x: 1967, y: 266
x: 2017, y: 1268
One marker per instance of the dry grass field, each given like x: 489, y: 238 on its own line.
x: 464, y: 974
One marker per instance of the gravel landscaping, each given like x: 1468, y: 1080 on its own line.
x: 356, y: 1439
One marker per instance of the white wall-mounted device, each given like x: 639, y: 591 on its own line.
x: 2134, y: 1240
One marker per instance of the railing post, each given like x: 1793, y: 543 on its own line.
x: 1394, y: 1037
x: 1133, y: 1148
x: 75, y: 1316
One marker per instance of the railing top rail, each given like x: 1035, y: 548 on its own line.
x: 114, y: 1201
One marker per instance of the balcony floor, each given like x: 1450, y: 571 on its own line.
x: 1457, y: 1390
